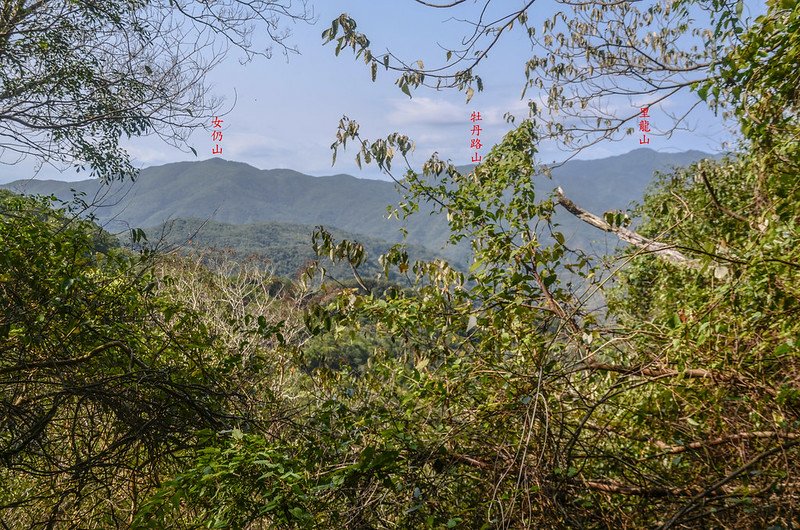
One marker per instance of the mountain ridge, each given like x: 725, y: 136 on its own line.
x: 237, y: 193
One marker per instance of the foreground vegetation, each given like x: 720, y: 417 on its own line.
x: 150, y: 391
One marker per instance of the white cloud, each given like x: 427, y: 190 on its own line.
x: 241, y: 146
x: 426, y: 111
x: 494, y: 114
x: 151, y: 151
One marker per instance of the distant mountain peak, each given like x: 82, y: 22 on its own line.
x: 237, y: 193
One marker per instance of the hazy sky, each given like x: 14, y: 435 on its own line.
x: 286, y: 113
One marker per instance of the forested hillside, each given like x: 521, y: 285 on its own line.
x: 142, y: 388
x: 283, y: 248
x: 238, y: 194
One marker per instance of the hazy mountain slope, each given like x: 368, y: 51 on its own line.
x: 612, y: 183
x: 236, y: 193
x: 287, y: 246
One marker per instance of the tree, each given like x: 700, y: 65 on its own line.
x: 678, y: 407
x: 593, y: 64
x: 77, y: 76
x: 103, y: 379
x: 505, y: 400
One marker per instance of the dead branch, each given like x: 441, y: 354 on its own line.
x: 675, y: 449
x: 624, y: 489
x: 690, y: 373
x: 662, y: 250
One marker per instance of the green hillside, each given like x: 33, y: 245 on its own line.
x: 236, y: 194
x: 285, y: 246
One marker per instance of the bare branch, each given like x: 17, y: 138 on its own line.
x: 662, y: 250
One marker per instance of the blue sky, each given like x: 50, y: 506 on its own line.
x: 286, y: 112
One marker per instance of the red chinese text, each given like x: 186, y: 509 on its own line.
x: 644, y: 125
x: 475, y: 141
x: 216, y: 135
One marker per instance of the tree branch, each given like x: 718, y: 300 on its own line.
x: 676, y: 449
x: 57, y: 363
x: 662, y: 250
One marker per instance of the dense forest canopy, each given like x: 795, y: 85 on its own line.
x: 151, y: 391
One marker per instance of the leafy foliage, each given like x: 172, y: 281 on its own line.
x: 283, y: 248
x: 102, y: 379
x: 496, y: 397
x: 77, y: 77
x: 509, y: 404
